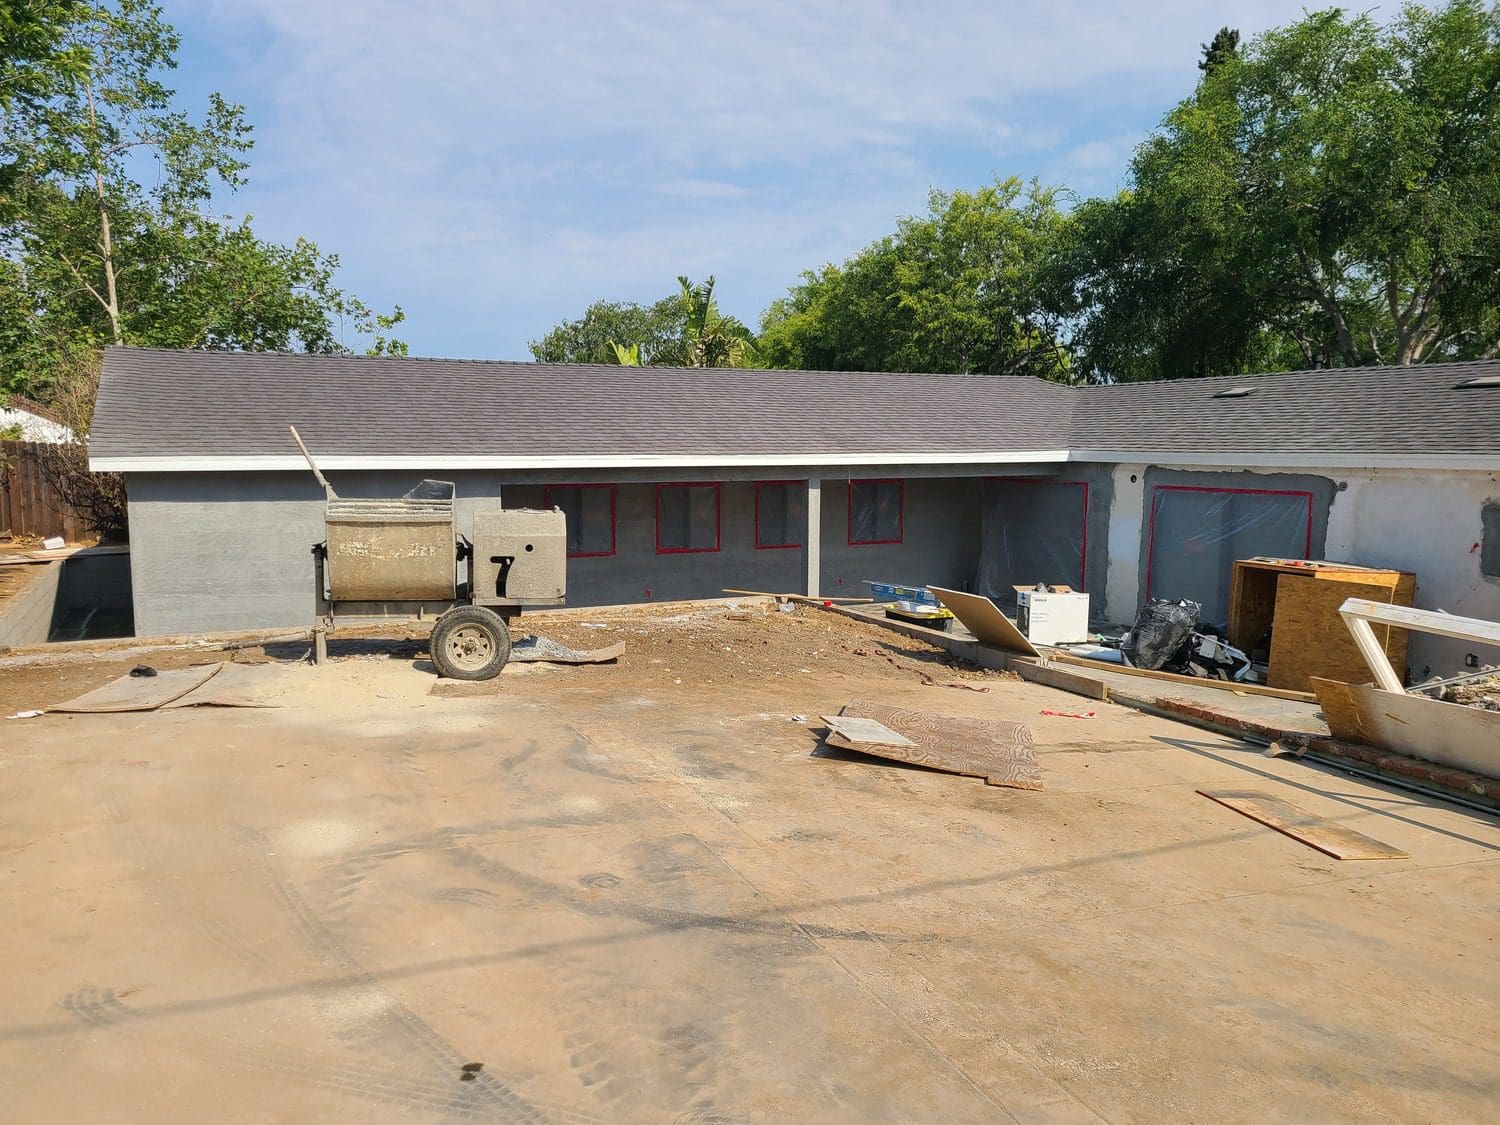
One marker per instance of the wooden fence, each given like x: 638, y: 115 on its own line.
x: 28, y: 504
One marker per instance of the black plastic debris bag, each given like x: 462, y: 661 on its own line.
x: 1160, y: 634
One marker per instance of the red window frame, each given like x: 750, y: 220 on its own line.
x: 1156, y: 489
x: 718, y: 517
x: 759, y: 546
x: 1083, y: 562
x: 613, y: 518
x: 900, y: 511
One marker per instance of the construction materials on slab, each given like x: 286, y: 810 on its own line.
x: 1319, y: 833
x: 894, y: 592
x: 916, y: 613
x: 983, y: 618
x: 1001, y: 752
x: 1174, y: 677
x: 1450, y: 734
x: 1052, y: 615
x: 1360, y: 614
x: 1284, y: 611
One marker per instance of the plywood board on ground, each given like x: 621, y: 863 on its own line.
x: 1326, y: 836
x: 1001, y: 752
x: 983, y: 618
x: 1450, y: 734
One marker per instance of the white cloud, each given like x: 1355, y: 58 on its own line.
x: 495, y: 166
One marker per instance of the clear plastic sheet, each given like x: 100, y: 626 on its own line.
x: 875, y: 511
x: 780, y: 514
x: 590, y: 518
x: 1031, y: 531
x: 687, y: 517
x: 1198, y: 533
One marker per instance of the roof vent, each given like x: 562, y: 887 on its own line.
x: 1478, y: 381
x: 1235, y: 392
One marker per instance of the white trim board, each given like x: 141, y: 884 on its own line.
x: 1217, y: 459
x: 278, y: 463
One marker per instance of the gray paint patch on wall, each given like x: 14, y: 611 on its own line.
x: 1489, y: 539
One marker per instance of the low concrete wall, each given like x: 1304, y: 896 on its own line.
x: 26, y: 616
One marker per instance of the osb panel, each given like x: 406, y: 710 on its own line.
x: 1311, y: 639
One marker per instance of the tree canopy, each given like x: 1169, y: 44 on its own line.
x: 685, y: 329
x: 953, y: 290
x: 1328, y: 195
x: 108, y: 231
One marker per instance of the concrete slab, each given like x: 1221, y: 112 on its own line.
x: 629, y: 894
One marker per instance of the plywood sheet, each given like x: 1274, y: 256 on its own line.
x: 141, y: 693
x: 1001, y: 752
x: 1311, y: 639
x: 983, y: 618
x: 1326, y: 836
x: 1467, y: 738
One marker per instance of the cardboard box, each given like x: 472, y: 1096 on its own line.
x: 1058, y: 617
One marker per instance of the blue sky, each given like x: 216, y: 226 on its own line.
x: 496, y: 166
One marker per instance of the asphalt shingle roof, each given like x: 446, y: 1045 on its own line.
x: 163, y: 403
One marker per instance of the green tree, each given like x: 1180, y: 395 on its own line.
x: 91, y: 255
x: 954, y: 290
x: 591, y: 338
x: 1331, y: 194
x: 1224, y: 47
x: 683, y: 330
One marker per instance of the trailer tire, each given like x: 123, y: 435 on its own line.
x: 469, y: 642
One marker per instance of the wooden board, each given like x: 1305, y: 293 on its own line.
x: 855, y: 729
x: 983, y: 618
x: 1001, y: 752
x: 1450, y: 734
x: 1311, y: 639
x: 1175, y: 678
x: 1326, y: 836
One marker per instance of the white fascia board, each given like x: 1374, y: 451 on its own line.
x: 1210, y: 459
x: 279, y: 463
x: 1226, y: 459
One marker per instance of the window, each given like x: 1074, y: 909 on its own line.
x: 1033, y: 529
x: 590, y: 509
x: 687, y: 518
x: 1489, y: 550
x: 875, y: 511
x: 1197, y: 533
x: 780, y: 513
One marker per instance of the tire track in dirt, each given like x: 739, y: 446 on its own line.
x: 150, y: 858
x: 101, y: 1008
x: 440, y: 1055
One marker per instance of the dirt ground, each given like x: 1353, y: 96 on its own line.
x: 639, y: 892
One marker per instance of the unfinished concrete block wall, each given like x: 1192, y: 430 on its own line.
x: 939, y: 545
x: 221, y: 551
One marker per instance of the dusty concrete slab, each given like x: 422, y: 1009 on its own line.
x: 631, y: 895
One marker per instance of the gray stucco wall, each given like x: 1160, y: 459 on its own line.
x: 233, y: 551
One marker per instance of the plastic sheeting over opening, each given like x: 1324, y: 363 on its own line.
x: 1032, y: 531
x: 1198, y: 533
x: 687, y: 517
x: 875, y: 511
x: 780, y: 513
x: 590, y: 512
